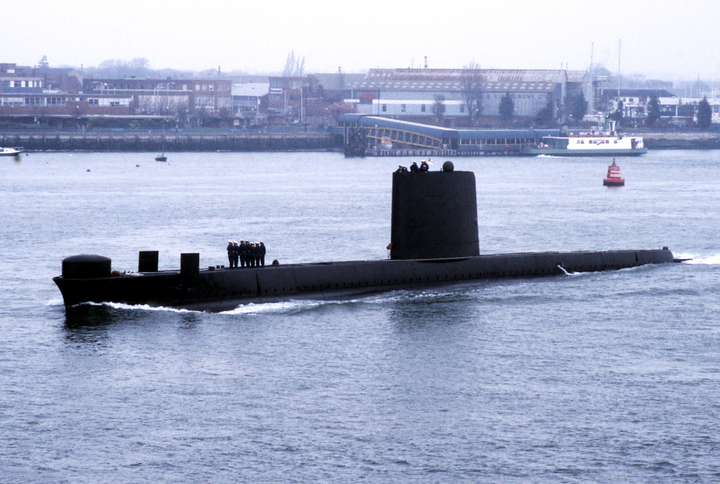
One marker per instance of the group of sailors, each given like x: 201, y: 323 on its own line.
x: 248, y: 254
x: 414, y: 168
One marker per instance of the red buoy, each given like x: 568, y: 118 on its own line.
x: 613, y: 179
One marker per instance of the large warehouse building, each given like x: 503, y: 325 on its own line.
x: 410, y: 94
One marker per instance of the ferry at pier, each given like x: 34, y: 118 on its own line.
x: 605, y: 142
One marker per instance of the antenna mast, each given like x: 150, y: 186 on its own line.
x: 619, y: 77
x: 591, y: 88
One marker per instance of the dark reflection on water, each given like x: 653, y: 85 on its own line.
x: 92, y: 316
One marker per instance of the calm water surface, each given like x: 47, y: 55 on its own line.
x: 600, y: 377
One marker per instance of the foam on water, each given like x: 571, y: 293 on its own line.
x: 288, y: 306
x: 710, y: 260
x: 138, y: 307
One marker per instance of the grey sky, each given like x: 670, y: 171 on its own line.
x: 664, y: 38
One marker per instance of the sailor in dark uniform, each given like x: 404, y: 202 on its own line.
x: 230, y: 252
x: 248, y: 254
x: 414, y: 168
x: 236, y: 251
x: 424, y: 167
x: 254, y: 254
x: 262, y: 251
x: 243, y: 253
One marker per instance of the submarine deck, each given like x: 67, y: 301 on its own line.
x: 221, y: 289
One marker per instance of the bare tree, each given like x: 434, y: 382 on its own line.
x: 472, y: 91
x: 438, y: 108
x: 294, y: 66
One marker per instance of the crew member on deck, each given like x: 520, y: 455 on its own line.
x: 414, y: 168
x: 250, y: 254
x: 262, y: 251
x: 236, y: 252
x: 230, y: 252
x: 243, y: 253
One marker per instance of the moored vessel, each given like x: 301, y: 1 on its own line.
x: 10, y: 151
x: 604, y: 142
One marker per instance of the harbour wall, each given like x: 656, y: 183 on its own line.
x: 681, y: 141
x: 171, y: 142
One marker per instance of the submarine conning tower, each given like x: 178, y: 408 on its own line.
x: 434, y: 215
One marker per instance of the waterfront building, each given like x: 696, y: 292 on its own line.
x: 30, y: 95
x: 249, y: 103
x: 209, y: 97
x: 410, y: 94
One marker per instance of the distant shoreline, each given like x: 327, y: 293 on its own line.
x: 248, y: 141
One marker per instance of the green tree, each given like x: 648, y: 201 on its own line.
x: 545, y: 117
x: 704, y: 114
x: 507, y: 108
x: 438, y: 108
x: 578, y: 107
x: 653, y: 111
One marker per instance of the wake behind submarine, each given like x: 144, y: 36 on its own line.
x: 434, y: 240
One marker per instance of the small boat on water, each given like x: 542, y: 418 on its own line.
x: 161, y: 157
x: 614, y: 179
x: 10, y: 151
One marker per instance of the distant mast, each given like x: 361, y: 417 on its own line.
x: 591, y: 88
x: 619, y: 77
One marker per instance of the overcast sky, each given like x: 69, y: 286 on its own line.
x: 669, y: 39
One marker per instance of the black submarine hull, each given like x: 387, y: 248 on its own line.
x: 434, y: 240
x: 222, y: 289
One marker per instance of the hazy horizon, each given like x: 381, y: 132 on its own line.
x: 664, y: 39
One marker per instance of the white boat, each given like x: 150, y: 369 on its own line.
x: 10, y: 151
x: 606, y: 142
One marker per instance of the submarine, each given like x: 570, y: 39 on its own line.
x: 434, y: 240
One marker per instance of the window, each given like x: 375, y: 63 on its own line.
x: 462, y: 108
x: 384, y: 107
x: 422, y: 108
x: 402, y: 107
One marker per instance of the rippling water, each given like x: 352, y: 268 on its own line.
x: 599, y: 377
